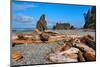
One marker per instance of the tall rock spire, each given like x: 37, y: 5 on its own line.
x: 41, y: 24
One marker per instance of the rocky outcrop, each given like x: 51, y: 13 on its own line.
x: 90, y: 19
x: 41, y: 24
x: 63, y: 26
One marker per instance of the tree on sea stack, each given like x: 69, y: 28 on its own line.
x: 41, y: 24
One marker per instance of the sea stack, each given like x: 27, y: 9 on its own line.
x: 41, y: 24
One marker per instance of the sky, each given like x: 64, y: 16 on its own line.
x: 26, y: 14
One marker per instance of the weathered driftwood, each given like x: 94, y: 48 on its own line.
x: 56, y: 38
x: 74, y: 50
x: 89, y: 55
x: 16, y: 55
x: 37, y: 37
x: 88, y: 52
x: 64, y: 53
x: 44, y: 36
x: 51, y: 36
x: 37, y: 31
x: 69, y: 55
x: 89, y: 40
x: 80, y: 57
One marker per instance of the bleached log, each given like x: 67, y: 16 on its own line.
x: 88, y: 53
x: 16, y: 55
x: 64, y: 56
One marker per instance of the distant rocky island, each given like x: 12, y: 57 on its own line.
x: 63, y: 26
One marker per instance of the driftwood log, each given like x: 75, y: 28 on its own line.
x: 69, y: 55
x: 88, y: 52
x: 37, y: 37
x: 74, y: 50
x: 89, y: 40
x: 44, y: 36
x: 16, y: 55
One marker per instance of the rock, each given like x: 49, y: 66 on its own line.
x: 63, y: 26
x: 16, y: 55
x: 90, y: 19
x: 42, y: 24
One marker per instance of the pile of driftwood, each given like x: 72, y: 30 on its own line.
x: 76, y: 49
x: 37, y: 37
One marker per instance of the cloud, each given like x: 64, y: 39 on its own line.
x: 22, y: 18
x: 23, y: 6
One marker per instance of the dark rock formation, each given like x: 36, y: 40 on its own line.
x: 63, y: 26
x: 42, y: 24
x: 90, y: 19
